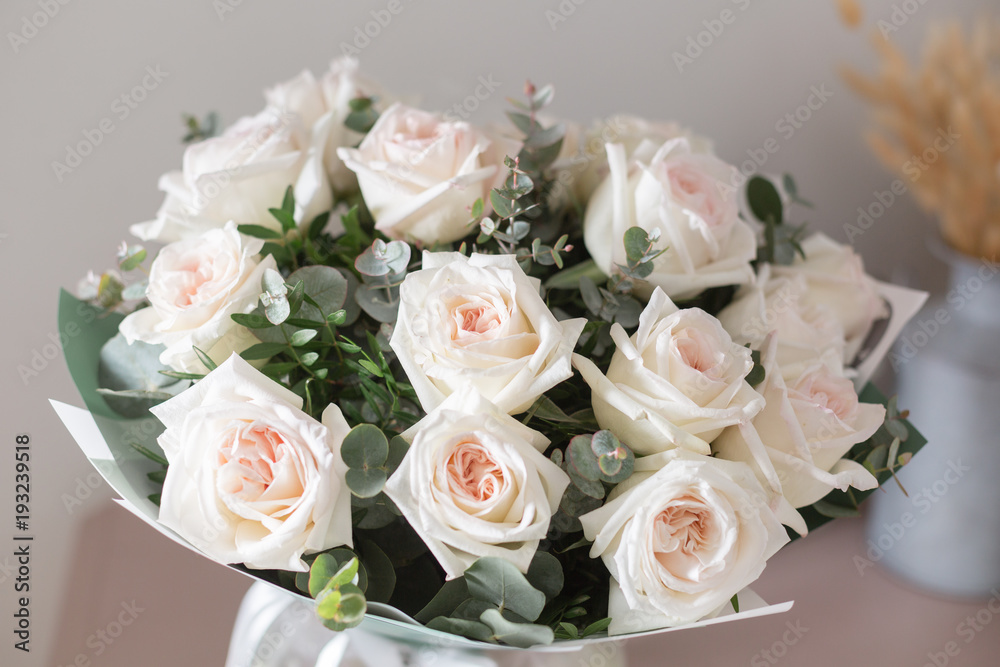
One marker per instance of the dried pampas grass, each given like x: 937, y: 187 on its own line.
x: 938, y: 124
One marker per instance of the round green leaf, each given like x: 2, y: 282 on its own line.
x: 764, y: 200
x: 365, y: 447
x: 366, y: 482
x: 582, y: 458
x: 324, y: 285
x: 500, y: 583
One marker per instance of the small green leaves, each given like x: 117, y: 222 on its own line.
x: 200, y: 130
x: 764, y: 200
x: 383, y: 258
x: 131, y: 257
x: 639, y: 252
x: 366, y: 452
x: 206, y: 360
x: 757, y: 374
x: 362, y: 116
x: 286, y: 214
x: 274, y: 297
x: 259, y: 232
x: 599, y: 458
x: 782, y: 241
x: 382, y: 267
x: 792, y: 189
x: 251, y: 320
x: 340, y: 603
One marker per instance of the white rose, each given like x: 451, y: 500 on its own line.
x: 323, y: 105
x: 479, y: 323
x: 797, y: 443
x: 252, y: 478
x: 239, y: 176
x: 676, y: 192
x: 837, y: 281
x: 194, y: 288
x: 475, y: 483
x: 677, y: 382
x: 680, y: 538
x: 806, y: 331
x: 420, y: 175
x: 588, y: 161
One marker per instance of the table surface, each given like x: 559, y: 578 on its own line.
x: 840, y: 617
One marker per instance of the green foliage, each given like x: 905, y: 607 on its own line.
x: 131, y: 377
x: 757, y: 374
x: 362, y: 115
x: 200, y: 130
x: 495, y: 602
x: 782, y: 241
x: 341, y: 603
x: 883, y: 455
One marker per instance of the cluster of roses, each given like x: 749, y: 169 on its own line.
x: 720, y: 465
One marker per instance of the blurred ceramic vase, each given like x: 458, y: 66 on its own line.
x: 945, y: 535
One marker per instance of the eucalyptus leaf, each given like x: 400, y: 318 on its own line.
x: 454, y: 626
x: 374, y: 302
x: 448, y: 598
x: 325, y: 285
x: 499, y: 582
x: 135, y: 370
x: 546, y: 574
x: 364, y: 447
x: 835, y: 511
x: 135, y: 291
x: 302, y: 336
x: 365, y: 482
x: 581, y: 458
x: 521, y: 635
x: 381, y: 574
x: 764, y: 200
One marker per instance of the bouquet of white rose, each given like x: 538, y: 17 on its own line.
x: 519, y: 386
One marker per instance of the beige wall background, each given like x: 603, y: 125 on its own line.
x: 71, y: 61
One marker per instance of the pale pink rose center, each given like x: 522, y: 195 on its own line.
x: 830, y: 392
x: 697, y: 351
x: 694, y: 190
x: 481, y: 320
x: 473, y: 474
x: 679, y: 534
x: 248, y: 463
